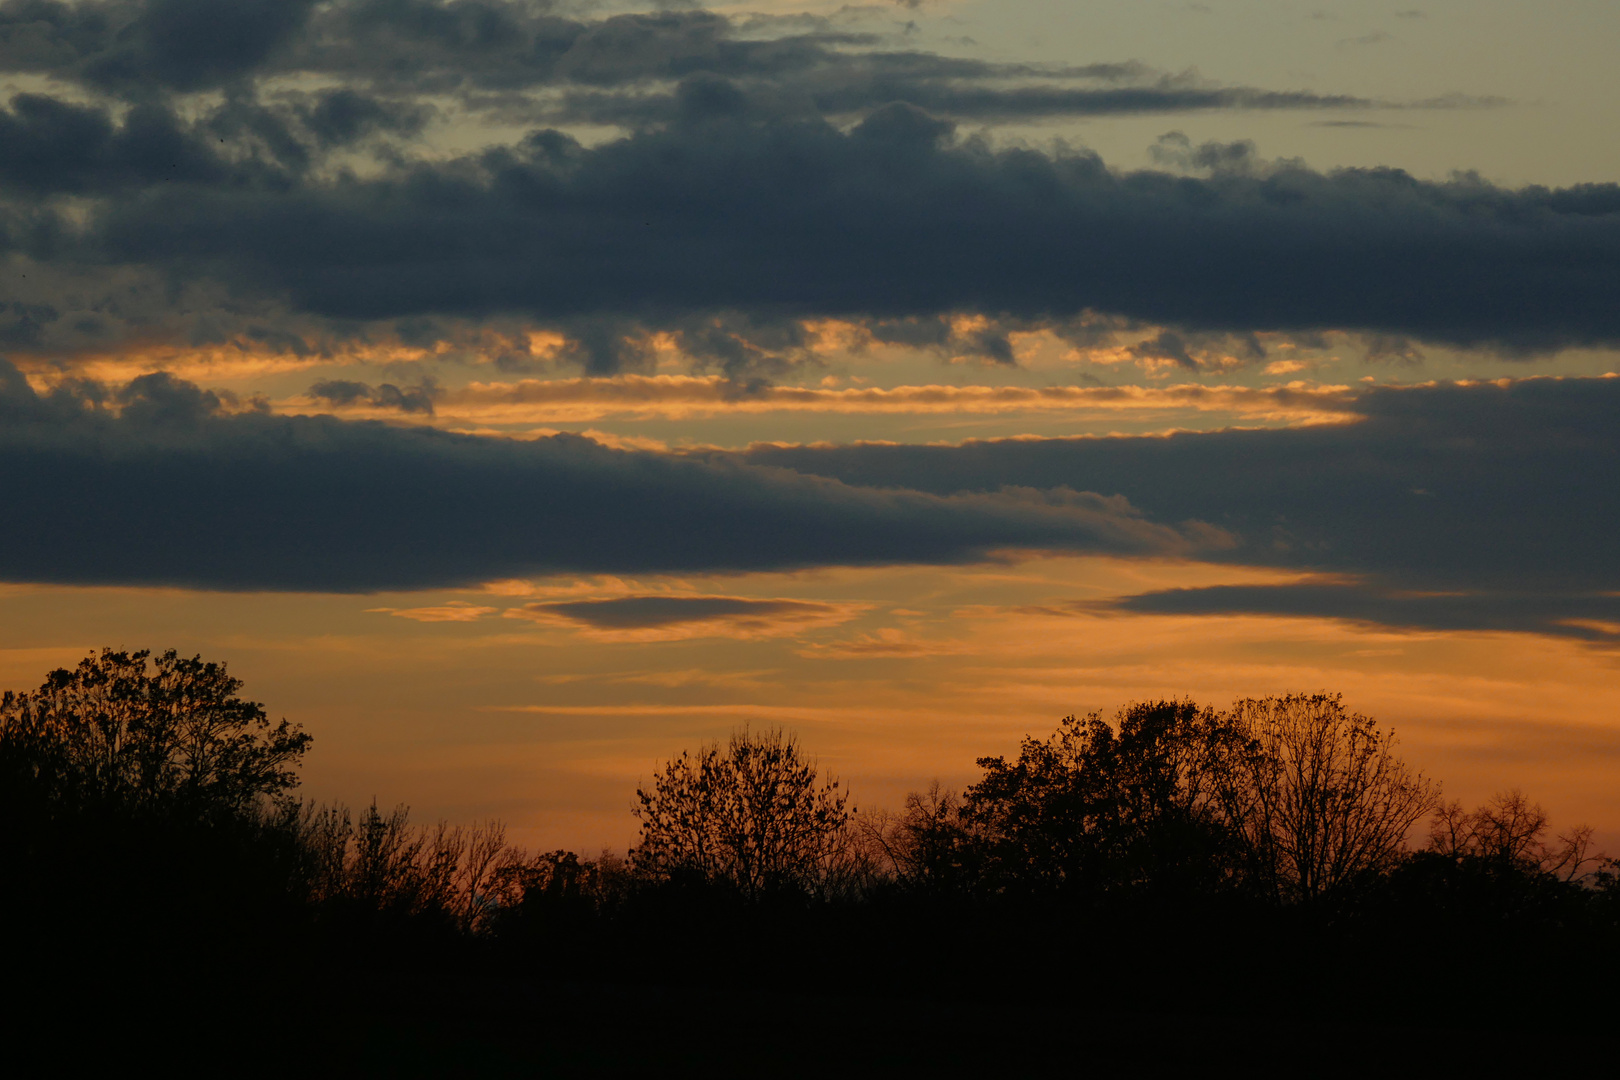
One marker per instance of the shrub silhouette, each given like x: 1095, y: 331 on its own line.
x: 930, y: 848
x: 382, y: 865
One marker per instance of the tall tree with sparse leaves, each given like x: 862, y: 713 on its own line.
x: 1321, y: 802
x: 750, y: 815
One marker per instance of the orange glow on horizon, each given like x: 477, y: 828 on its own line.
x: 902, y: 675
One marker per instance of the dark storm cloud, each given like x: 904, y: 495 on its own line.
x: 175, y: 489
x: 1505, y: 493
x: 24, y: 324
x: 473, y: 45
x: 342, y: 117
x: 735, y: 209
x: 890, y: 220
x: 135, y: 46
x: 49, y: 146
x: 849, y: 93
x: 410, y: 399
x: 975, y: 103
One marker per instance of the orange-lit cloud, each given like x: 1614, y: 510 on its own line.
x: 537, y: 401
x: 888, y: 641
x: 243, y: 357
x: 454, y: 611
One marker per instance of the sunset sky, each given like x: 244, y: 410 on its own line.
x: 517, y: 393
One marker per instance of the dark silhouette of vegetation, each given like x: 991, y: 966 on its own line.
x: 750, y: 816
x: 1319, y: 803
x: 1508, y: 833
x: 1097, y: 808
x: 140, y: 732
x: 155, y: 843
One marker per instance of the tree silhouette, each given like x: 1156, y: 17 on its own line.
x: 1508, y: 833
x: 1099, y: 806
x: 129, y: 729
x: 145, y: 811
x: 750, y: 815
x: 1319, y: 801
x: 931, y: 846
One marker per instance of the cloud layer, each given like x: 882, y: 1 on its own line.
x: 158, y: 483
x: 890, y: 219
x: 1487, y: 505
x: 257, y: 171
x: 683, y: 396
x: 543, y: 59
x: 1593, y: 617
x: 1503, y: 493
x: 679, y: 618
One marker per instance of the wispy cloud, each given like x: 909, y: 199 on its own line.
x: 453, y: 611
x: 884, y: 643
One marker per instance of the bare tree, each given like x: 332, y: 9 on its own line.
x: 479, y: 876
x: 750, y: 814
x: 1509, y: 831
x: 1319, y: 800
x: 931, y: 845
x: 385, y: 863
x: 383, y: 870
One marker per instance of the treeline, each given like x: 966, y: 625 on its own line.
x: 1171, y: 857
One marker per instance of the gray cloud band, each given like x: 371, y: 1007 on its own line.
x: 1455, y: 507
x: 887, y: 220
x: 742, y: 191
x: 1586, y: 617
x: 1487, y: 490
x: 171, y: 490
x: 489, y: 53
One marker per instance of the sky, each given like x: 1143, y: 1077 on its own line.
x: 517, y: 393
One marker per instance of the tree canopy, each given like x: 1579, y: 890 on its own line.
x: 750, y: 815
x: 1098, y: 806
x: 1291, y: 798
x: 144, y: 731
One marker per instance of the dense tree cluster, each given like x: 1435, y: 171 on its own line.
x: 153, y: 828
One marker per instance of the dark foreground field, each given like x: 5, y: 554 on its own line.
x: 392, y: 1015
